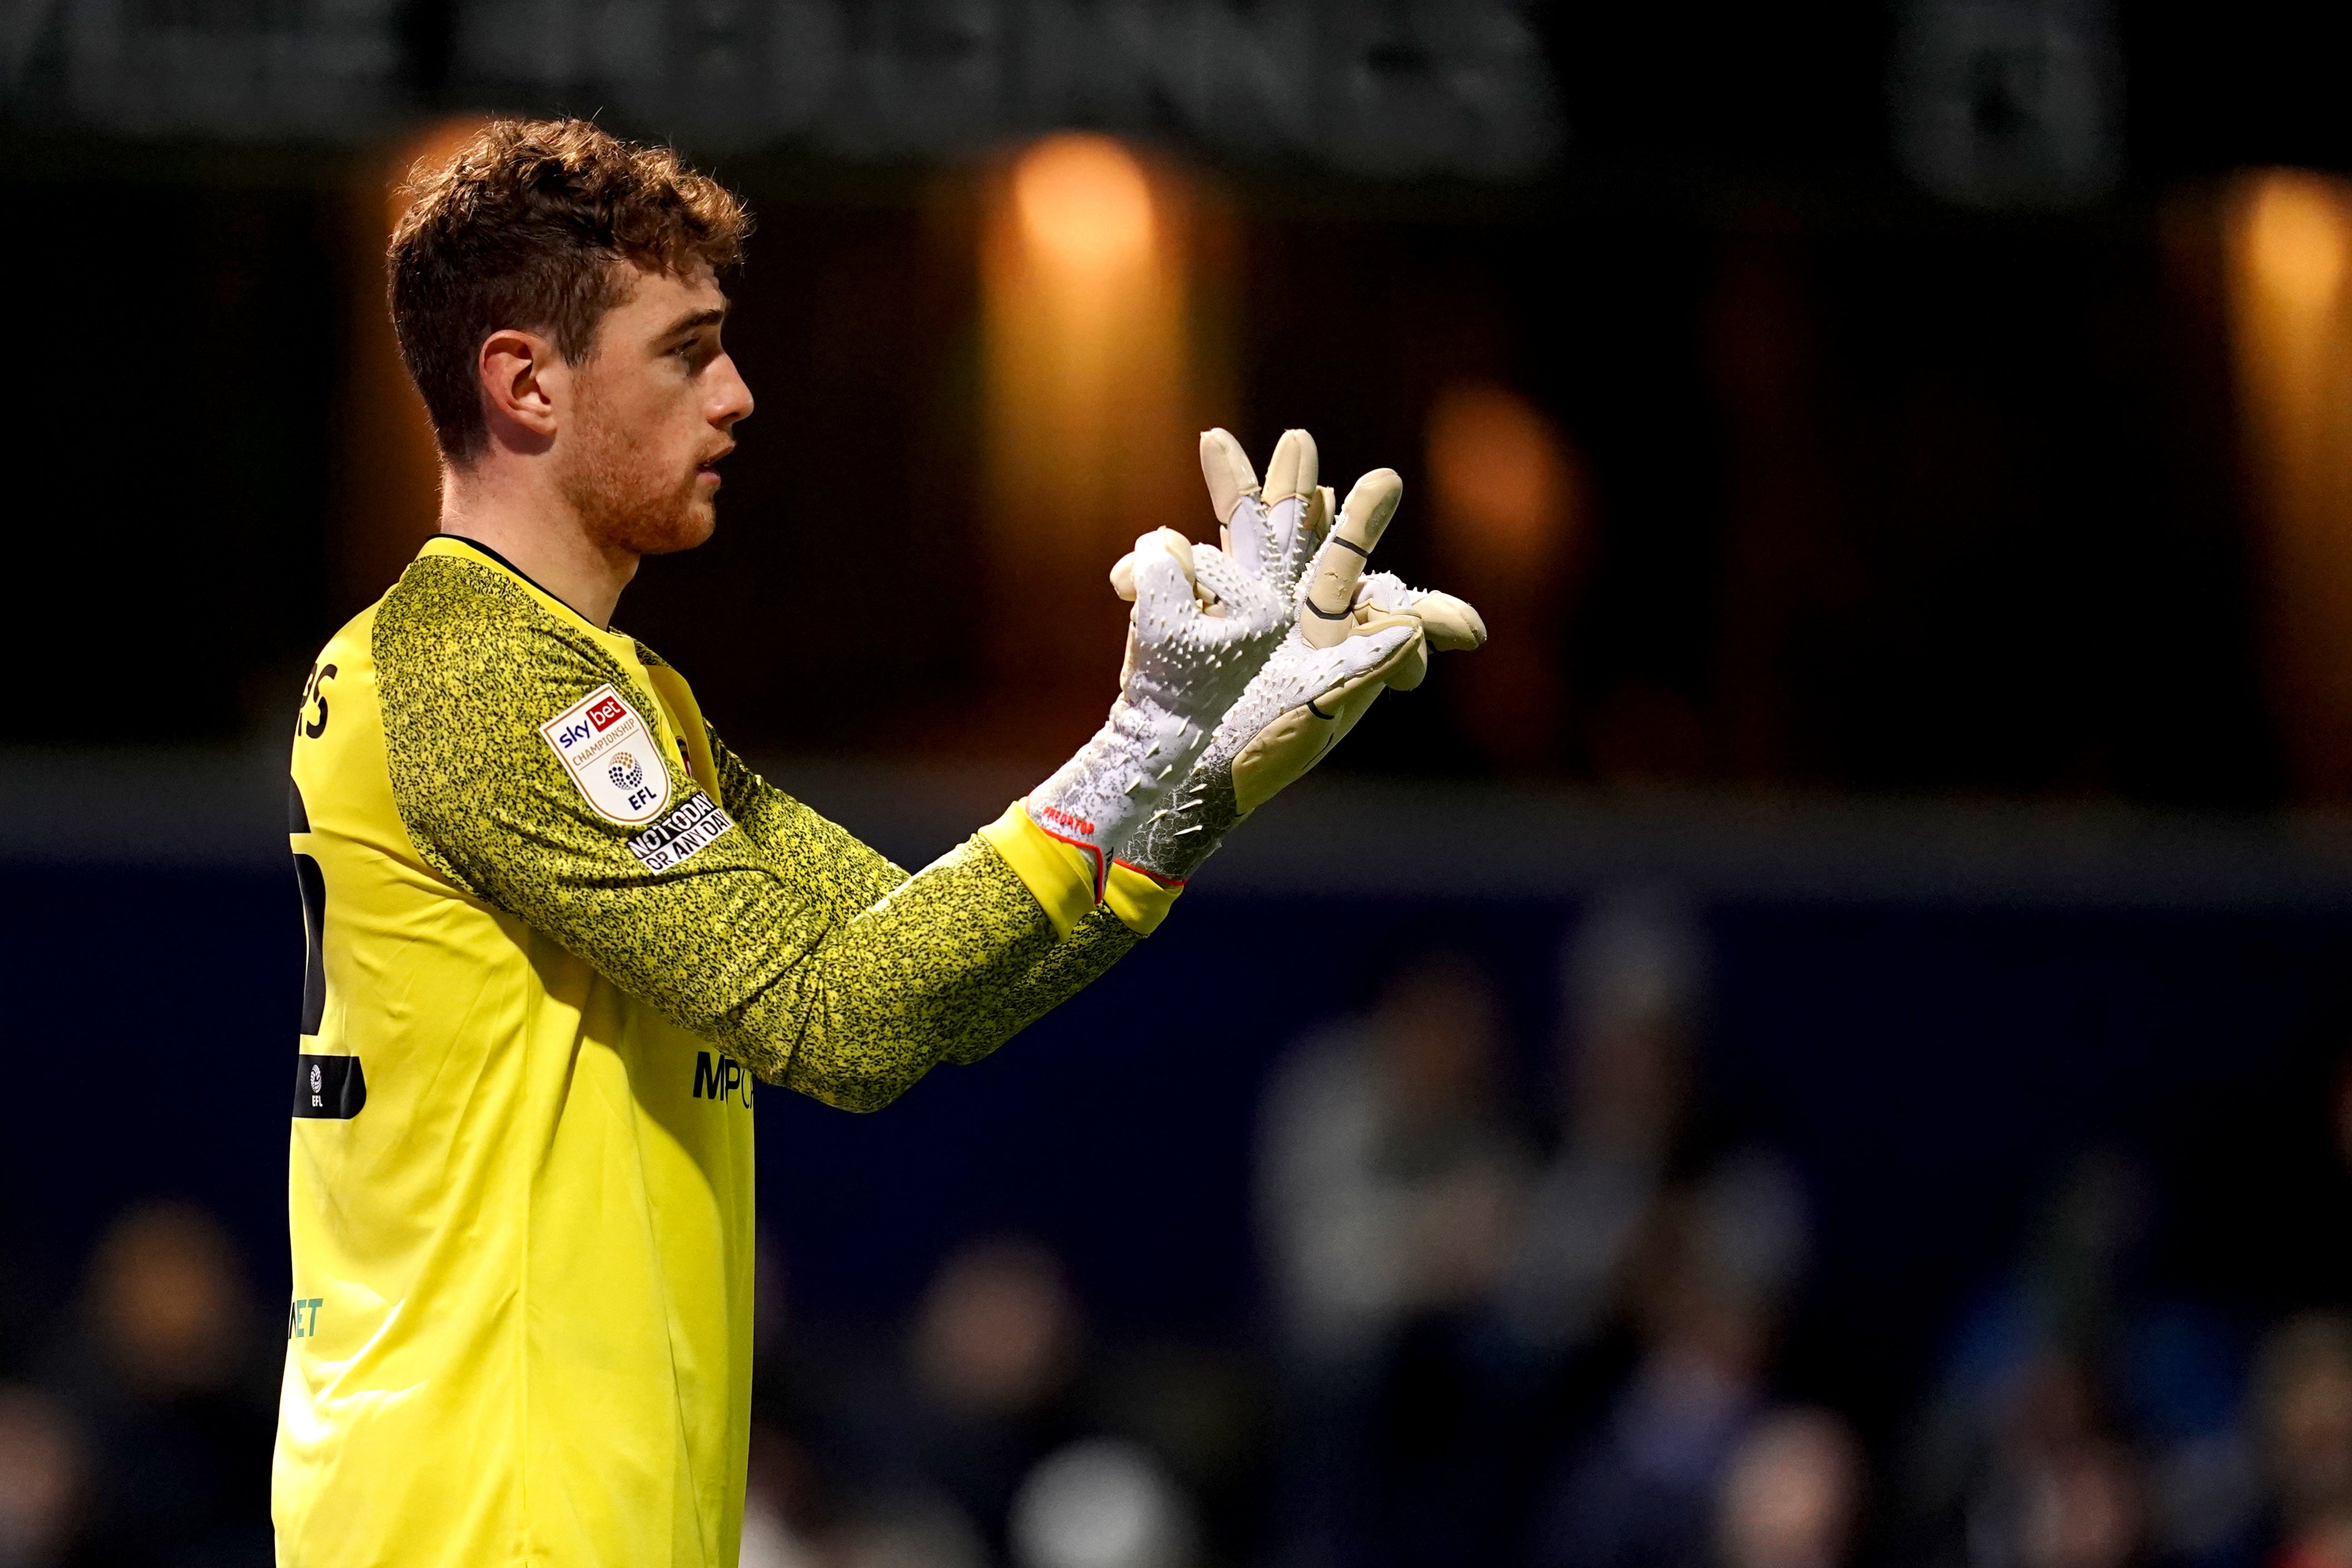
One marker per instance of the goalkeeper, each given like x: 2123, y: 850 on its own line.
x: 555, y: 928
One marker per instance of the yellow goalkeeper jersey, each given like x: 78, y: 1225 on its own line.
x: 554, y: 930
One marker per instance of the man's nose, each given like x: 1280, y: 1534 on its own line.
x: 734, y: 396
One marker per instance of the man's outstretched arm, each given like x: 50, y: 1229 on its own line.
x: 776, y: 944
x: 1095, y: 938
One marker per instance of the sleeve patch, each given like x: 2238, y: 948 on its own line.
x: 682, y: 835
x: 613, y: 755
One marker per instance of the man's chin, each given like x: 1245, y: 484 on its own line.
x: 695, y: 529
x: 691, y: 526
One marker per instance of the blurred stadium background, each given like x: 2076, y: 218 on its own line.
x: 1829, y: 1043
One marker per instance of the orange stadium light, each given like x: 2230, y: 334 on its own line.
x: 387, y: 470
x: 1503, y: 479
x: 1086, y: 207
x: 2290, y: 249
x: 2295, y: 239
x: 1099, y: 368
x: 1506, y: 497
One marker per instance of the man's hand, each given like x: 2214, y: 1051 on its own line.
x: 1352, y: 636
x: 1203, y: 624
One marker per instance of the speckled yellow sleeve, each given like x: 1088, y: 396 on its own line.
x: 784, y: 825
x: 799, y: 951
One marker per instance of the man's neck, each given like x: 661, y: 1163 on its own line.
x: 541, y: 535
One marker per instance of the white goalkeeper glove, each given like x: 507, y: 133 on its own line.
x: 1200, y: 628
x: 1351, y: 637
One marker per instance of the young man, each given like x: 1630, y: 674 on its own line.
x: 555, y: 925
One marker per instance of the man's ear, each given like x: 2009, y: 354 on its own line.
x: 523, y: 382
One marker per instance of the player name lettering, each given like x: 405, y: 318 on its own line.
x: 682, y: 835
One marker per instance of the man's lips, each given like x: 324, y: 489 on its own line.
x: 708, y: 467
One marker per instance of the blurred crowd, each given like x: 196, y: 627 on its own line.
x: 135, y: 1427
x: 1489, y: 1337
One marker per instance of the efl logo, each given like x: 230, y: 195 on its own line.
x: 612, y: 755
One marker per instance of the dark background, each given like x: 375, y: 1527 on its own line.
x: 1885, y: 497
x: 1930, y: 1070
x: 1883, y: 493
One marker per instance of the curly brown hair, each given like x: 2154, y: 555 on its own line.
x: 530, y: 226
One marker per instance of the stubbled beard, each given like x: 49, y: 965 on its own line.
x: 626, y: 502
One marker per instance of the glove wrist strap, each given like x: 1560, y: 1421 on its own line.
x: 1117, y: 781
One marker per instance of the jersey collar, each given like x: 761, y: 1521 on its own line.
x: 457, y: 544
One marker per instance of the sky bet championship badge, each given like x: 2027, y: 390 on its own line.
x: 612, y: 756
